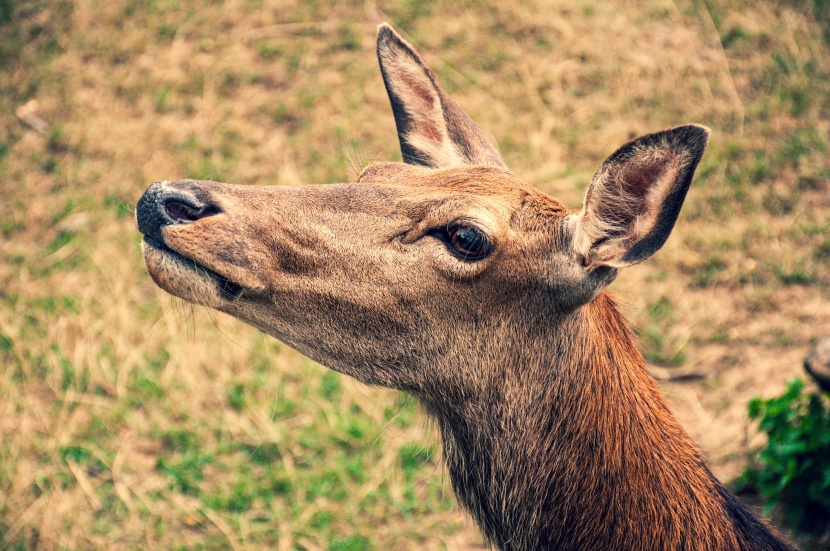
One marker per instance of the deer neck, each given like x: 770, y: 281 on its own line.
x: 573, y: 447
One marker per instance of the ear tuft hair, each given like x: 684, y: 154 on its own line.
x: 635, y: 197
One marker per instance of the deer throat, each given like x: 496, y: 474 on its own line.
x: 577, y: 449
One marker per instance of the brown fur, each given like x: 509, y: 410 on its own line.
x: 554, y: 434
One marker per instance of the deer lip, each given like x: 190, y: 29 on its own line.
x: 229, y: 290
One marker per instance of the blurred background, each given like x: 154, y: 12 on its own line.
x: 129, y: 419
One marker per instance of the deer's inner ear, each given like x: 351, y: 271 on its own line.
x: 433, y: 131
x: 634, y: 200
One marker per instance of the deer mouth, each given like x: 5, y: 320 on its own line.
x: 226, y: 289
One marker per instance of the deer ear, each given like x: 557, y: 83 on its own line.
x: 432, y: 129
x: 634, y: 199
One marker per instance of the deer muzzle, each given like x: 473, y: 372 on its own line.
x: 165, y: 205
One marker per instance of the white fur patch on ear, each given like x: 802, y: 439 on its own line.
x: 412, y: 83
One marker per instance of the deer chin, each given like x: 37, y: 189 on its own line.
x: 187, y: 279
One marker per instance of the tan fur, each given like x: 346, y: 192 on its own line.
x: 554, y: 434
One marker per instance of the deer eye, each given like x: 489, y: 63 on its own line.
x: 468, y: 242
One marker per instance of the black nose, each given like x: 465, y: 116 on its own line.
x: 164, y: 204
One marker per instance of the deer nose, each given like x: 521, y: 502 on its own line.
x: 164, y: 205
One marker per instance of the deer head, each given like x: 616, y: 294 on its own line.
x: 396, y: 278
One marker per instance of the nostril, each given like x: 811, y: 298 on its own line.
x: 166, y: 203
x: 180, y: 212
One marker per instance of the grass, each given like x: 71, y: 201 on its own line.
x: 133, y: 420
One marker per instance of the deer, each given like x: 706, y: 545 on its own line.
x: 447, y: 277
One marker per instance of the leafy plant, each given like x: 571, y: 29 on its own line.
x: 793, y: 470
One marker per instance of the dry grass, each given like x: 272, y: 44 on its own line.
x: 130, y: 420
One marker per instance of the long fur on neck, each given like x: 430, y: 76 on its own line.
x: 574, y: 447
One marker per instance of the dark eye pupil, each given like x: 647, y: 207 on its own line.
x: 469, y: 242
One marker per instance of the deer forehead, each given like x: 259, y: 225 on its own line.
x: 482, y: 180
x: 488, y: 193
